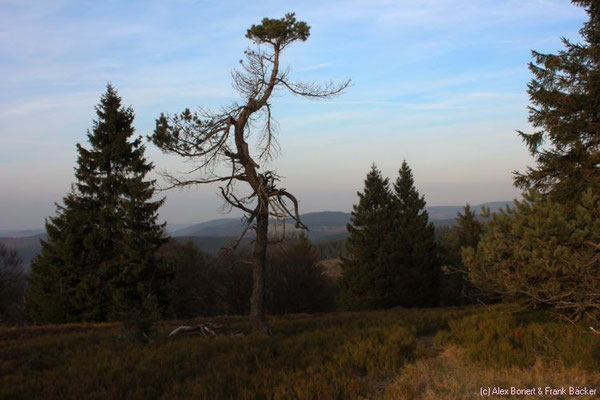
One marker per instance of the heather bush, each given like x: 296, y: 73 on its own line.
x: 503, y: 337
x: 309, y: 357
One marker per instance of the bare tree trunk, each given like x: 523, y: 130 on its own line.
x: 257, y: 301
x: 207, y: 137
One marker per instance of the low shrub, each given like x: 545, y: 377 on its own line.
x: 502, y: 337
x: 327, y: 356
x: 543, y: 255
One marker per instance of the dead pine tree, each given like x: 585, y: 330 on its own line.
x: 217, y: 142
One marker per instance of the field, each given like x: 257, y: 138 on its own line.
x: 394, y: 354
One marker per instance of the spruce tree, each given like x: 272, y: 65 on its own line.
x: 296, y: 281
x: 99, y: 260
x: 12, y: 285
x: 413, y: 251
x: 468, y: 228
x: 363, y: 281
x: 455, y: 289
x: 565, y: 92
x: 544, y: 251
x: 63, y: 283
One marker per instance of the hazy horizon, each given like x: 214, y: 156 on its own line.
x: 235, y: 215
x: 441, y: 84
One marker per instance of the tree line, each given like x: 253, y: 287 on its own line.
x: 394, y: 258
x: 221, y: 284
x: 392, y: 251
x: 544, y: 252
x: 102, y: 260
x: 106, y: 257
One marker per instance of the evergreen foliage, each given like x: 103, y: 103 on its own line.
x: 12, y: 286
x: 99, y: 262
x: 468, y: 228
x: 565, y: 92
x: 455, y: 288
x: 392, y: 253
x: 543, y: 254
x: 192, y: 292
x: 231, y: 279
x: 221, y: 284
x: 414, y: 262
x: 365, y: 265
x: 296, y: 281
x: 280, y: 32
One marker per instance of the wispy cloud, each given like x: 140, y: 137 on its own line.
x: 315, y: 67
x: 431, y: 80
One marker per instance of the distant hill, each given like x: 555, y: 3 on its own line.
x: 210, y: 236
x: 193, y: 229
x: 20, y: 233
x: 176, y: 227
x: 320, y: 225
x: 27, y: 247
x: 325, y: 223
x: 440, y: 213
x: 211, y: 244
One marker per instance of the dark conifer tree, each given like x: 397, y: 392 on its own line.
x: 455, y: 289
x: 468, y: 228
x: 364, y: 269
x: 544, y: 251
x: 192, y: 289
x: 414, y: 264
x: 99, y: 260
x: 297, y: 283
x: 12, y: 285
x: 62, y: 284
x: 566, y: 110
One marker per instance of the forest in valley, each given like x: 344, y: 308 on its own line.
x: 385, y: 302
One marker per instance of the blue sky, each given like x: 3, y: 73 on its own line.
x: 438, y: 83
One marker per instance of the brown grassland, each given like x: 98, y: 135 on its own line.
x: 394, y: 354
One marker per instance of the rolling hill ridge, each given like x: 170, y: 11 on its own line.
x: 212, y: 235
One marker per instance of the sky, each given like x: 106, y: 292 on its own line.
x: 439, y: 83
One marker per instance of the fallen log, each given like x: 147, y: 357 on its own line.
x: 205, y: 329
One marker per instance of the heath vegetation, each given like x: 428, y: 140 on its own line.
x: 397, y: 310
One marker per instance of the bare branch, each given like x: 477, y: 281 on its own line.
x: 268, y: 142
x: 234, y: 202
x: 208, y: 139
x: 176, y: 182
x: 247, y: 226
x: 280, y: 194
x: 315, y: 90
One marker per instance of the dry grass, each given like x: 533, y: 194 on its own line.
x: 22, y: 332
x: 359, y: 355
x: 450, y: 375
x: 332, y: 268
x: 328, y: 356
